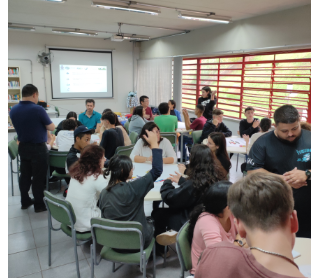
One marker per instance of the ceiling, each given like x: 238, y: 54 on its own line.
x: 79, y: 14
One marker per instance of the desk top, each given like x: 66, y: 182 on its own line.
x: 236, y: 144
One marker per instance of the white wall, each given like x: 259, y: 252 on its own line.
x: 26, y: 45
x: 288, y: 27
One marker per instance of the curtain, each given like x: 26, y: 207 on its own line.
x: 155, y: 80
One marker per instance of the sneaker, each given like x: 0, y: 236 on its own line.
x: 167, y: 238
x: 29, y: 205
x: 41, y: 209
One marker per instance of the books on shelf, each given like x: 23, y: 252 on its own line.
x: 14, y: 97
x: 13, y: 72
x: 13, y: 84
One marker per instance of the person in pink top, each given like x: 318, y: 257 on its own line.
x: 211, y: 222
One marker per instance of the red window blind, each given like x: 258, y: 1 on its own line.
x: 265, y: 81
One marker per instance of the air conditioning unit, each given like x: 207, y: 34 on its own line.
x: 117, y: 38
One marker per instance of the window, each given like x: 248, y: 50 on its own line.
x: 264, y: 81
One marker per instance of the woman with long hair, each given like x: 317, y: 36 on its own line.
x: 211, y: 221
x: 217, y: 144
x: 142, y: 152
x: 208, y: 100
x: 86, y: 184
x: 137, y: 120
x: 71, y: 115
x: 124, y: 201
x: 202, y: 172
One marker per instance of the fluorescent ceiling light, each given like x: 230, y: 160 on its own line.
x: 208, y: 17
x: 21, y: 27
x: 122, y: 6
x: 121, y: 37
x: 74, y: 32
x: 58, y: 1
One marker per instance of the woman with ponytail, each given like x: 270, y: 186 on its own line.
x: 211, y: 222
x: 208, y: 100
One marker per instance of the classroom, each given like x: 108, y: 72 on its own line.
x: 159, y: 138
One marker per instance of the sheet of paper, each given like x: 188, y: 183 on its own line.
x: 235, y: 142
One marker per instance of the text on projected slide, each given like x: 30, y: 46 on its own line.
x: 83, y: 79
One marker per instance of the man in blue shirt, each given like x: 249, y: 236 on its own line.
x: 31, y: 123
x: 90, y: 118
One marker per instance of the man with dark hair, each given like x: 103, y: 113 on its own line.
x: 286, y: 151
x: 250, y: 125
x: 90, y: 118
x: 144, y: 101
x: 31, y: 123
x: 112, y: 137
x: 166, y: 122
x: 215, y: 125
x: 269, y: 229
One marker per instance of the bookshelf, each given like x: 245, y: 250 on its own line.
x: 14, y: 91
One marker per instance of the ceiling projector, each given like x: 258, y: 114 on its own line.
x: 117, y: 38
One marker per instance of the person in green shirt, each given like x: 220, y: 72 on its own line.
x: 166, y: 122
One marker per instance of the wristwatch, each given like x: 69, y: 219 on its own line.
x: 308, y: 174
x: 240, y: 242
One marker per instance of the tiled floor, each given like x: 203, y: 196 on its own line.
x: 28, y: 245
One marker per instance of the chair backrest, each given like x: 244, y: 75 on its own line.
x: 196, y: 136
x: 117, y: 234
x: 126, y: 125
x: 133, y: 137
x: 13, y: 149
x: 57, y: 110
x: 57, y: 159
x: 15, y: 138
x: 184, y: 248
x: 53, y: 132
x: 124, y: 150
x: 60, y: 210
x: 171, y: 136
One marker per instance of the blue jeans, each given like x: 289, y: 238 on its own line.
x: 186, y: 141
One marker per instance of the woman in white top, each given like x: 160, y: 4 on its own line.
x: 142, y: 151
x: 86, y: 184
x: 127, y: 140
x: 65, y: 138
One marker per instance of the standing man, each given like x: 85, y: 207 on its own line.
x: 144, y: 101
x: 90, y: 118
x: 31, y: 123
x: 286, y: 151
x: 250, y: 125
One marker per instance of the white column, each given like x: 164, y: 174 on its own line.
x: 177, y: 83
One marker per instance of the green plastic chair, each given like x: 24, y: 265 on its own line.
x: 13, y: 154
x: 57, y: 159
x: 172, y: 137
x: 120, y: 235
x: 126, y: 125
x: 58, y: 111
x: 196, y: 136
x: 62, y: 211
x: 53, y: 132
x: 15, y: 138
x: 133, y: 136
x: 124, y: 150
x: 183, y: 249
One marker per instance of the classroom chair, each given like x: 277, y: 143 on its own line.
x: 53, y: 132
x: 124, y: 150
x: 196, y: 136
x: 172, y: 137
x: 126, y: 125
x: 120, y: 235
x: 183, y: 249
x: 58, y: 111
x: 13, y: 154
x: 62, y: 211
x: 133, y: 136
x: 15, y: 138
x: 57, y: 160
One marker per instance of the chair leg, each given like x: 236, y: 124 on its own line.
x: 154, y: 261
x: 182, y: 274
x: 12, y: 178
x: 18, y: 171
x: 144, y: 265
x: 92, y: 261
x: 49, y: 239
x: 76, y: 253
x: 113, y: 267
x: 165, y: 252
x: 237, y: 162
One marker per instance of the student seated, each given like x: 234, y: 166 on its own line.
x: 250, y: 125
x: 165, y: 121
x: 144, y: 101
x: 65, y: 138
x: 137, y: 120
x: 263, y: 207
x: 124, y: 201
x: 90, y: 118
x: 112, y: 137
x: 215, y: 125
x: 217, y: 144
x: 202, y: 172
x: 72, y: 116
x: 142, y: 151
x: 127, y: 140
x: 211, y: 222
x: 173, y: 111
x: 86, y: 184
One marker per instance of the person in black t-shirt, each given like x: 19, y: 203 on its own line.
x: 286, y: 151
x: 208, y: 100
x: 250, y: 125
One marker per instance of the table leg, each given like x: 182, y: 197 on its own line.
x: 237, y: 162
x: 182, y: 147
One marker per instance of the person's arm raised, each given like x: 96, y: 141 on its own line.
x: 187, y: 120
